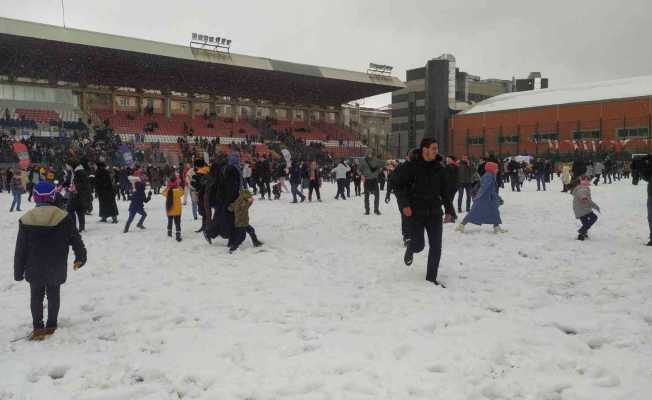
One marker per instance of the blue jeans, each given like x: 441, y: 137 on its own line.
x: 132, y: 215
x: 16, y: 202
x: 195, y: 206
x: 587, y: 222
x: 541, y: 180
x: 296, y: 192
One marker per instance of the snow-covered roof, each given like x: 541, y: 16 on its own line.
x: 606, y: 90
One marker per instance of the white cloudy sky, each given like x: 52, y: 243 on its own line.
x: 569, y: 41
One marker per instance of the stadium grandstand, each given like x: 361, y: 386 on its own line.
x: 58, y: 82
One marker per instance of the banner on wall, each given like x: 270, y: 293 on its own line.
x: 23, y: 155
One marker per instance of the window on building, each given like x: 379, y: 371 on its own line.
x: 624, y: 133
x: 586, y: 134
x: 542, y: 137
x: 475, y: 140
x: 508, y: 139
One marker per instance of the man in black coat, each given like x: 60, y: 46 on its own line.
x: 264, y: 178
x: 81, y: 196
x: 45, y: 234
x: 106, y: 194
x: 421, y: 188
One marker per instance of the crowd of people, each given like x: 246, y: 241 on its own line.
x: 221, y: 195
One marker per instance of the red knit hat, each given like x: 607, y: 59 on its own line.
x: 491, y: 167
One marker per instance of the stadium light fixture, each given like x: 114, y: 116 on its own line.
x: 215, y: 43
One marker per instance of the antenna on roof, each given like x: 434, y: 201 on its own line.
x: 63, y: 14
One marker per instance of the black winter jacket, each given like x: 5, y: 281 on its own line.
x: 44, y: 237
x: 422, y: 185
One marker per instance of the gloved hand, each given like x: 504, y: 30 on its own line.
x: 149, y: 193
x: 78, y: 264
x: 386, y: 199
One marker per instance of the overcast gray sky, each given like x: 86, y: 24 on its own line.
x: 569, y: 41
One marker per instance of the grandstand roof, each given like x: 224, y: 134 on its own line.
x: 51, y: 52
x: 587, y: 92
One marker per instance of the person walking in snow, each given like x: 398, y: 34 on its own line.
x: 296, y: 177
x: 314, y: 178
x: 45, y: 234
x: 421, y: 192
x: 583, y: 205
x: 17, y: 190
x: 106, y: 194
x: 240, y: 208
x: 340, y: 175
x: 485, y: 204
x: 371, y: 168
x: 465, y: 172
x: 173, y: 195
x: 137, y: 205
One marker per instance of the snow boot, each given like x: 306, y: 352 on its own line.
x: 126, y: 229
x: 498, y: 229
x: 169, y: 232
x: 208, y: 239
x: 460, y: 228
x: 140, y: 226
x: 38, y: 334
x: 178, y: 236
x: 649, y: 243
x: 409, y: 255
x: 376, y: 212
x: 581, y: 236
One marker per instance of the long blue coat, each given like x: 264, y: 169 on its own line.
x: 485, y: 204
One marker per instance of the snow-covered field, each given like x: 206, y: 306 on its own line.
x: 327, y: 310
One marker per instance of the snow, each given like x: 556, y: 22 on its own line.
x: 327, y: 310
x: 586, y: 92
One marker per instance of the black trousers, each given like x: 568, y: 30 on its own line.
x: 177, y: 223
x: 314, y: 185
x: 81, y: 217
x: 405, y: 224
x: 347, y: 184
x: 38, y: 293
x: 265, y: 189
x: 341, y: 183
x: 356, y: 187
x: 371, y: 187
x: 516, y: 186
x: 464, y: 188
x: 433, y: 225
x: 240, y: 234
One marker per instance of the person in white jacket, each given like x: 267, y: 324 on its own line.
x: 246, y: 176
x: 340, y: 175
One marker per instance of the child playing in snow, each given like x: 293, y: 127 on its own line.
x: 276, y: 190
x: 240, y: 207
x: 137, y: 205
x: 583, y: 206
x: 173, y: 195
x: 485, y: 204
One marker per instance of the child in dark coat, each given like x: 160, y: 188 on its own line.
x: 240, y: 208
x: 45, y: 234
x: 137, y: 205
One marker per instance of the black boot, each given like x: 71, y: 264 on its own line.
x: 169, y: 232
x: 178, y: 236
x: 409, y: 255
x: 376, y: 212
